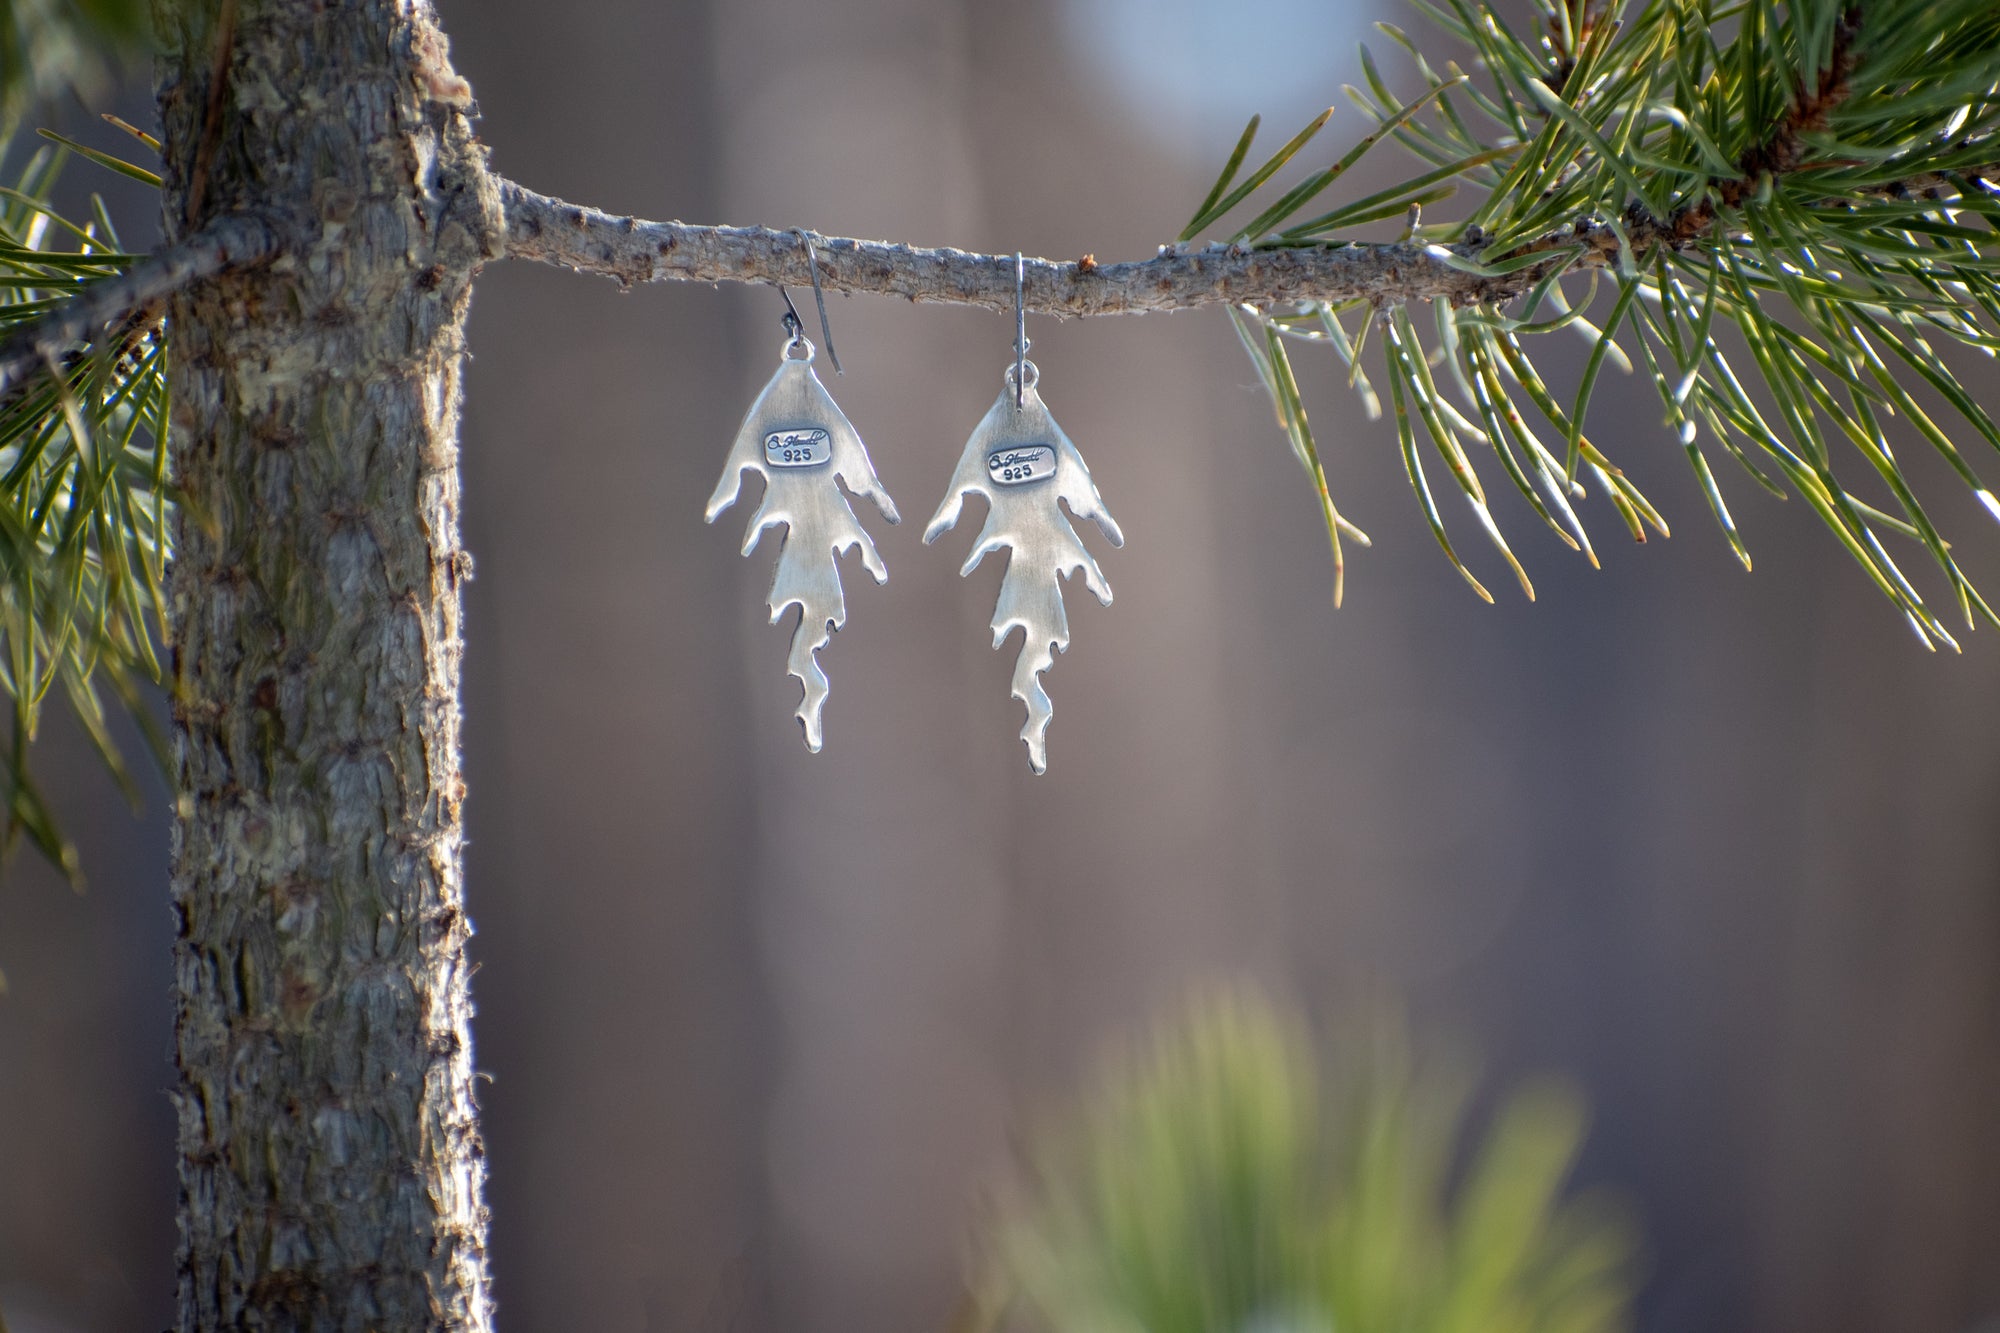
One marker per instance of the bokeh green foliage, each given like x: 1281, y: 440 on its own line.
x: 1781, y: 212
x: 1228, y: 1180
x: 52, y: 47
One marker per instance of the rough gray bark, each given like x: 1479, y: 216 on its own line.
x: 331, y: 1173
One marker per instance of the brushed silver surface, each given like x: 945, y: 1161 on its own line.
x: 1018, y: 436
x: 795, y: 415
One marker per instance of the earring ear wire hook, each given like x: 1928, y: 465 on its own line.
x: 1020, y: 333
x: 826, y: 329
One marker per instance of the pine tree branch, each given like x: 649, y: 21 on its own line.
x: 632, y: 250
x: 236, y: 241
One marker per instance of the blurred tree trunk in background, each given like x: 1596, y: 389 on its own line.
x: 331, y: 1170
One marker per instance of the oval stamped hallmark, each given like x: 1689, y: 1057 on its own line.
x: 806, y: 447
x: 1018, y: 463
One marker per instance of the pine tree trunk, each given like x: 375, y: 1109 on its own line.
x: 331, y: 1172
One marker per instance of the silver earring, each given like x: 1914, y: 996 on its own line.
x: 800, y: 442
x: 1022, y: 463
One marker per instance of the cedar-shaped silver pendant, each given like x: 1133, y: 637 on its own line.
x: 801, y: 443
x: 1023, y: 464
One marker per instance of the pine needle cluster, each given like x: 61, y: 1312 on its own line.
x: 1782, y: 212
x: 84, y: 494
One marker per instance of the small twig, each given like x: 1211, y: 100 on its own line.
x: 211, y: 121
x: 1781, y: 149
x: 235, y: 241
x: 631, y: 250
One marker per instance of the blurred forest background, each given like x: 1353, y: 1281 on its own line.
x: 764, y: 1027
